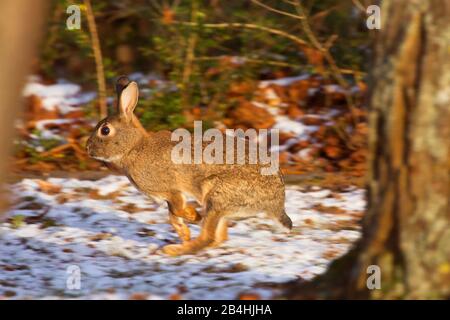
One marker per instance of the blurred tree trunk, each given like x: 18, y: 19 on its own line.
x: 21, y: 23
x: 406, y: 228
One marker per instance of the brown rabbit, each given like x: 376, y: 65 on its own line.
x: 223, y: 190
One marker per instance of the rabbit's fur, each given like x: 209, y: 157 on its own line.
x: 223, y: 190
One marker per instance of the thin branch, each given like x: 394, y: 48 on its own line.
x: 359, y: 5
x: 324, y: 13
x: 289, y: 2
x: 277, y: 63
x: 98, y: 59
x: 257, y: 2
x: 175, y: 4
x: 329, y: 43
x: 155, y: 6
x: 251, y: 60
x: 247, y: 26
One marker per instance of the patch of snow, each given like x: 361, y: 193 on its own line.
x: 271, y: 94
x: 334, y: 88
x: 355, y: 90
x: 49, y: 134
x: 62, y: 96
x: 312, y: 91
x: 237, y: 60
x: 118, y: 252
x: 285, y: 124
x: 144, y: 79
x: 305, y: 153
x: 40, y: 124
x: 284, y: 81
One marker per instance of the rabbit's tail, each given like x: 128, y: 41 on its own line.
x: 285, y: 220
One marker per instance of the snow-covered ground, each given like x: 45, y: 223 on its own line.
x: 113, y: 234
x: 63, y: 96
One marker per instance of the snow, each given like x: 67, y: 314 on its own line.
x: 334, y: 88
x: 302, y: 131
x: 62, y: 96
x: 284, y: 81
x: 144, y: 79
x: 45, y: 133
x: 118, y: 252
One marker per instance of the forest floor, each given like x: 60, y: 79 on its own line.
x: 113, y: 234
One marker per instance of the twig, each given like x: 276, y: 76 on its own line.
x: 246, y: 26
x: 329, y: 43
x: 324, y: 13
x: 57, y: 149
x: 252, y: 60
x: 359, y: 5
x: 276, y: 10
x: 155, y: 6
x: 98, y: 59
x: 343, y: 135
x: 278, y: 63
x: 79, y: 152
x: 289, y: 2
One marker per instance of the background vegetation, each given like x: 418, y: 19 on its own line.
x: 195, y: 46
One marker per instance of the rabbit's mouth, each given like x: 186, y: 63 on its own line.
x: 110, y: 159
x: 113, y: 158
x: 90, y: 151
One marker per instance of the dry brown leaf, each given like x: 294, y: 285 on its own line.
x: 48, y: 187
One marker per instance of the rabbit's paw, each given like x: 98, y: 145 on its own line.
x: 189, y: 213
x: 174, y: 249
x: 215, y: 244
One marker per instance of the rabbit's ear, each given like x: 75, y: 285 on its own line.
x: 121, y: 83
x: 128, y: 100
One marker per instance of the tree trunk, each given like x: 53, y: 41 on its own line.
x: 406, y: 228
x: 21, y: 23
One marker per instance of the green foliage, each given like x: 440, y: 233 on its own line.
x: 47, y: 223
x: 162, y: 111
x: 17, y: 221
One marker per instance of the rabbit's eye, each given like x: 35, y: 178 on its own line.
x: 105, y: 131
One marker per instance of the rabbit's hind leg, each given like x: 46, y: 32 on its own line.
x: 207, y: 236
x: 221, y: 233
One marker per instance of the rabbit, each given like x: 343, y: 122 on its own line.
x: 223, y: 191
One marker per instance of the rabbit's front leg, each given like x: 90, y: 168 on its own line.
x: 180, y: 227
x: 206, y: 238
x: 178, y: 207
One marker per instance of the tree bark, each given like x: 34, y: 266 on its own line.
x: 21, y: 23
x: 406, y: 228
